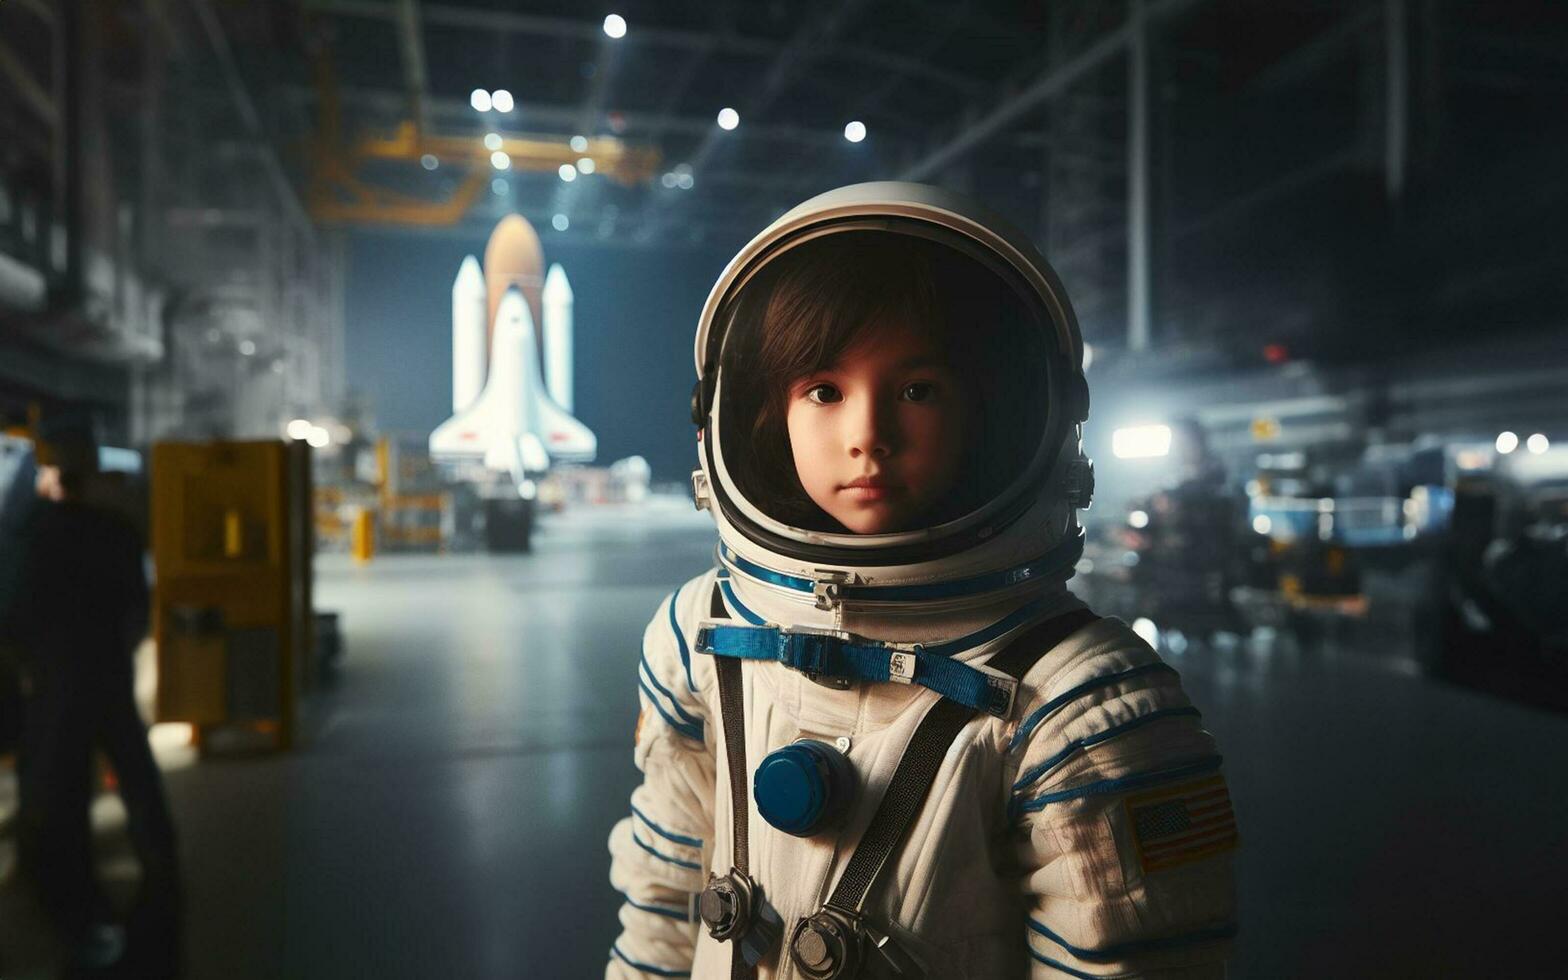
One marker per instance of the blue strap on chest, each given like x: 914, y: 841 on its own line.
x: 846, y: 658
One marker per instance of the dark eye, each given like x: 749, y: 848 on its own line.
x: 920, y: 391
x: 823, y: 394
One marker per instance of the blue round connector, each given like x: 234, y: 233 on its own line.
x: 804, y: 787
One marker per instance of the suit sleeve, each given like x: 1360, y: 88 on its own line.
x: 1123, y: 820
x: 659, y: 853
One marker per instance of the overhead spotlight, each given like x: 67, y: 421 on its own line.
x: 500, y: 186
x: 585, y: 165
x: 501, y: 101
x: 568, y: 172
x: 669, y: 180
x: 480, y: 100
x: 615, y: 26
x: 855, y: 131
x: 579, y: 144
x: 1507, y: 442
x: 684, y: 181
x: 1538, y: 444
x: 247, y: 347
x: 500, y: 161
x: 429, y: 161
x: 728, y: 118
x: 492, y: 141
x: 299, y: 428
x: 560, y: 222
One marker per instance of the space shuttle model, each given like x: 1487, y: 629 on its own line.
x: 511, y: 386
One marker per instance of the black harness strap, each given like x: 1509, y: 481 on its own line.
x: 732, y: 709
x: 923, y: 757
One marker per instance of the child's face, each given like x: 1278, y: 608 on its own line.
x: 877, y: 437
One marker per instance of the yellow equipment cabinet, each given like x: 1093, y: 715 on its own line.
x: 232, y: 545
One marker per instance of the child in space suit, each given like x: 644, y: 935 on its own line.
x: 881, y: 738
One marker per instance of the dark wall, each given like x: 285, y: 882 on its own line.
x: 635, y: 316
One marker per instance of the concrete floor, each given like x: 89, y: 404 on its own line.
x: 448, y: 817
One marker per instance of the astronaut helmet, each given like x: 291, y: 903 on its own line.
x: 953, y: 466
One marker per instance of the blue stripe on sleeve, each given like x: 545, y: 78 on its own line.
x: 680, y: 639
x: 667, y: 835
x: 646, y: 968
x: 1121, y: 950
x: 664, y: 857
x: 1121, y: 784
x: 666, y: 910
x: 740, y: 607
x: 1089, y: 741
x: 686, y: 716
x: 693, y: 732
x: 1038, y: 715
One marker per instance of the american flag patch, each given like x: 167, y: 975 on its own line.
x: 1176, y: 825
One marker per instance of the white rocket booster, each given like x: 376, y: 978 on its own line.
x: 470, y: 359
x: 557, y: 302
x: 513, y: 426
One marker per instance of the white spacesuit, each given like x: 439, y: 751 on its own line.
x: 947, y: 766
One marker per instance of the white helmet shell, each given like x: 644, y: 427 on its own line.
x: 1027, y: 534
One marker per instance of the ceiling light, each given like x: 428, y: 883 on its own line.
x: 568, y: 172
x: 480, y: 100
x: 585, y: 165
x: 502, y: 100
x: 492, y: 141
x: 500, y: 161
x: 299, y: 428
x: 579, y: 144
x: 728, y: 118
x: 560, y: 222
x: 855, y: 131
x: 1538, y: 444
x: 615, y: 26
x: 1507, y: 442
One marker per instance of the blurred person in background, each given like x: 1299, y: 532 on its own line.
x: 77, y: 611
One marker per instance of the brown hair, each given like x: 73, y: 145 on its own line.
x: 816, y: 301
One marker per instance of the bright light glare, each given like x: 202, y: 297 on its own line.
x: 502, y: 100
x: 615, y: 26
x: 1138, y: 519
x: 1507, y: 442
x: 855, y: 131
x: 1088, y: 356
x: 492, y: 141
x: 429, y: 161
x: 1147, y: 631
x: 247, y: 347
x: 500, y: 161
x: 299, y: 428
x: 480, y: 100
x: 1141, y: 442
x: 1538, y: 444
x: 1262, y: 524
x: 568, y: 172
x: 585, y: 165
x: 318, y: 437
x: 579, y: 144
x: 728, y: 118
x: 560, y: 222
